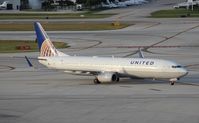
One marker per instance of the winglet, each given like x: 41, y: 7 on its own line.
x: 141, y: 55
x: 28, y: 61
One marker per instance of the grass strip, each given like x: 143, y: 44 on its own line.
x: 52, y: 15
x: 62, y: 26
x: 10, y: 46
x: 175, y: 13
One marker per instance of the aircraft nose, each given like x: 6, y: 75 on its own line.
x: 183, y: 72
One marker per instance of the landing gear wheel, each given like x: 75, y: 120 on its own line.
x: 118, y: 79
x: 172, y: 83
x: 96, y: 81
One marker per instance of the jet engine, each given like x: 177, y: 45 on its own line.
x: 107, y: 77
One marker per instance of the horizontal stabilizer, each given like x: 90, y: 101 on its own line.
x: 28, y: 61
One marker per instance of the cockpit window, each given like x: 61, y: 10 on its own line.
x: 177, y: 66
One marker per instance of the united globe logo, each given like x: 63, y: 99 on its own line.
x: 48, y: 49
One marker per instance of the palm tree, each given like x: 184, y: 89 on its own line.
x: 24, y: 4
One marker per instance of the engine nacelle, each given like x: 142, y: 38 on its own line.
x: 108, y: 77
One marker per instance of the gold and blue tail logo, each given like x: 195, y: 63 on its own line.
x: 46, y: 47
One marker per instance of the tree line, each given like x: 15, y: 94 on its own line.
x: 48, y: 4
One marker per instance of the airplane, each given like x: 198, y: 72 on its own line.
x: 105, y: 5
x: 111, y: 4
x: 120, y: 4
x: 4, y: 5
x: 187, y: 4
x: 105, y: 69
x: 135, y: 2
x: 74, y: 1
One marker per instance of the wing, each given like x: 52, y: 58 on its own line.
x: 145, y: 49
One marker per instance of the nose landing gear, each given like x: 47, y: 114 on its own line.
x: 172, y: 81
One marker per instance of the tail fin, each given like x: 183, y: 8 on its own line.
x: 46, y: 47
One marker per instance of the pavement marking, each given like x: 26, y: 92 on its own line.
x: 6, y: 68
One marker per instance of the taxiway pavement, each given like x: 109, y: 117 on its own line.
x: 34, y: 96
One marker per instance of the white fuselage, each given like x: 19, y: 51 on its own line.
x: 129, y: 67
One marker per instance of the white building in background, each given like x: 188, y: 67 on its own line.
x: 37, y: 4
x: 32, y: 4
